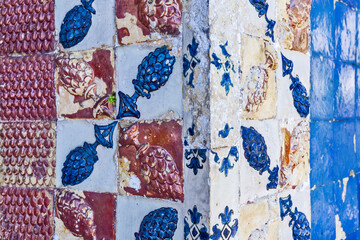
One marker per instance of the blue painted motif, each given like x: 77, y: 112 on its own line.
x: 159, y: 224
x: 79, y: 163
x: 255, y: 152
x: 225, y: 133
x: 192, y: 229
x: 226, y: 231
x: 301, y: 99
x: 191, y: 133
x: 226, y: 65
x: 262, y: 8
x: 225, y: 163
x: 300, y: 224
x: 196, y: 157
x: 76, y: 24
x: 153, y: 73
x: 190, y: 62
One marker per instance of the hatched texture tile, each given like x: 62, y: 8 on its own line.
x: 27, y: 90
x: 27, y: 26
x: 26, y: 213
x: 150, y: 160
x: 27, y: 154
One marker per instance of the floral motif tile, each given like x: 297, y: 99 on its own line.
x: 85, y: 84
x: 27, y: 154
x: 150, y: 160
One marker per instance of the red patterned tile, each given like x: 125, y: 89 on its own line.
x: 26, y: 26
x: 27, y: 88
x: 26, y: 214
x: 85, y: 214
x: 27, y: 155
x: 154, y: 151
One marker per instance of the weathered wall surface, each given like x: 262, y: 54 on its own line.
x: 179, y: 119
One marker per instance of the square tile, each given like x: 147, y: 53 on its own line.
x: 97, y: 27
x: 322, y: 89
x: 86, y: 84
x: 140, y: 21
x: 154, y: 99
x: 27, y: 27
x: 151, y: 160
x: 27, y: 88
x: 344, y: 91
x: 322, y: 27
x: 27, y: 157
x: 85, y: 158
x: 137, y: 216
x: 345, y: 32
x: 86, y: 215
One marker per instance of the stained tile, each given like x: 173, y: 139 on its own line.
x: 322, y: 89
x: 26, y: 213
x: 139, y: 21
x: 84, y: 215
x: 150, y: 160
x: 321, y: 158
x: 345, y: 32
x: 344, y: 91
x: 86, y: 84
x: 27, y: 154
x: 96, y: 28
x: 27, y: 88
x: 322, y: 27
x: 27, y: 27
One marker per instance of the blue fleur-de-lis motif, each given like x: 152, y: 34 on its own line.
x: 300, y: 225
x: 262, y: 8
x: 255, y: 152
x: 76, y: 24
x: 190, y: 62
x: 153, y: 73
x: 79, y: 163
x: 227, y: 230
x: 226, y: 162
x: 159, y: 224
x: 196, y: 157
x: 227, y: 65
x: 192, y: 229
x: 225, y: 132
x: 299, y: 93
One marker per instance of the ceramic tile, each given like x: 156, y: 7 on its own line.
x: 26, y: 213
x: 97, y: 27
x: 135, y: 216
x: 84, y: 215
x: 27, y: 154
x: 27, y: 27
x: 153, y: 100
x: 27, y: 89
x: 140, y: 21
x: 150, y: 160
x: 87, y: 162
x: 86, y: 84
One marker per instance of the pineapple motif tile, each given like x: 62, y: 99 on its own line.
x: 137, y: 216
x: 86, y: 84
x: 27, y: 154
x: 146, y: 20
x: 26, y: 213
x: 150, y: 160
x: 294, y: 24
x: 27, y: 88
x: 259, y: 62
x: 149, y: 82
x: 27, y: 27
x: 84, y: 215
x: 80, y: 24
x: 85, y: 155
